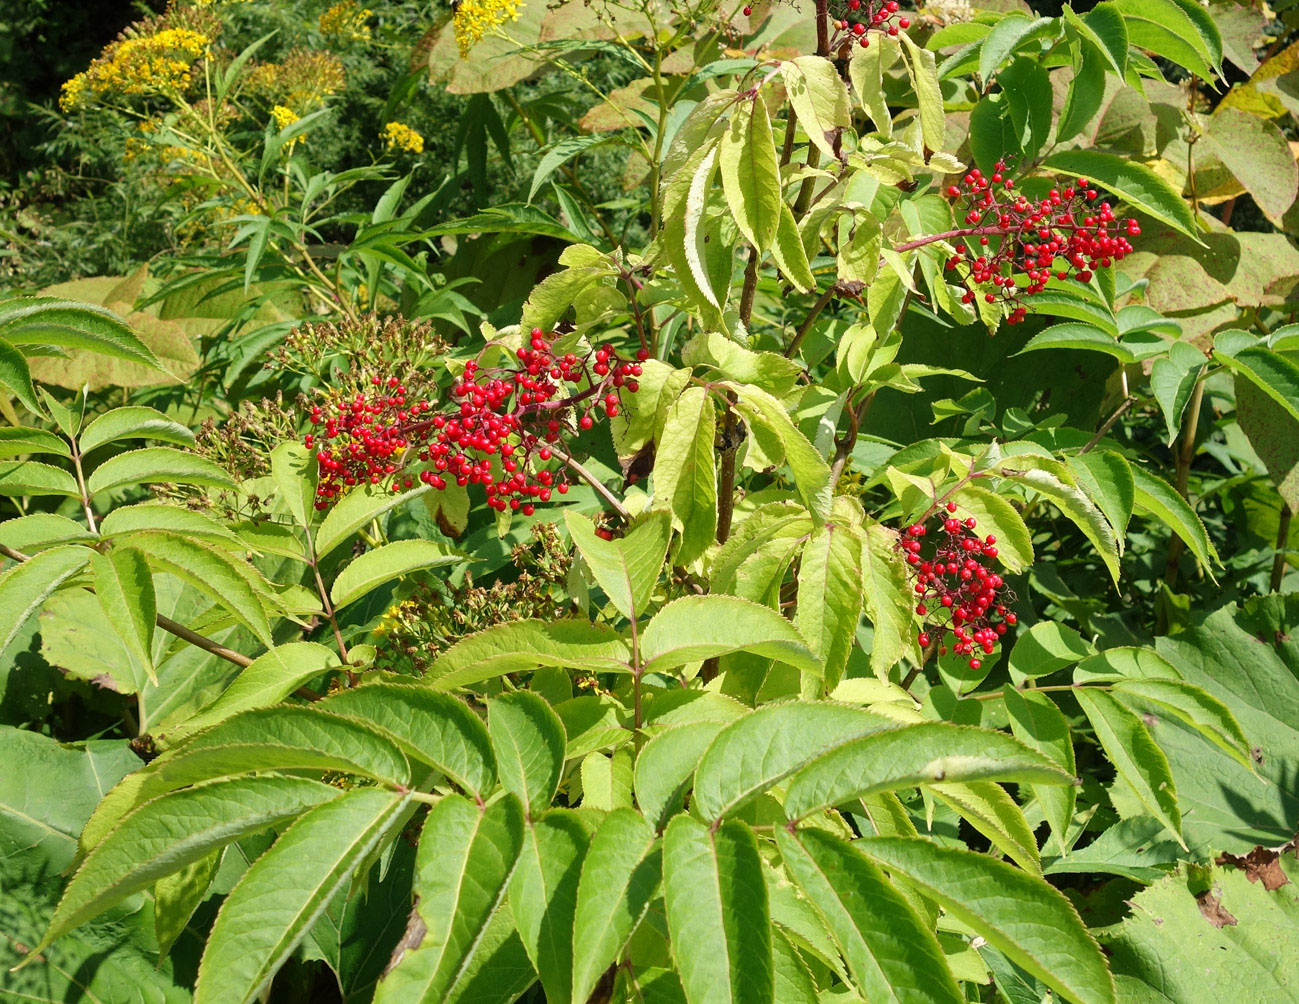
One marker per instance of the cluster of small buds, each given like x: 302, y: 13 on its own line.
x: 955, y: 589
x: 858, y: 19
x: 504, y: 424
x: 1064, y: 234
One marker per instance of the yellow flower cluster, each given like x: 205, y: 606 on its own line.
x: 284, y: 117
x: 399, y: 136
x: 144, y: 64
x: 850, y: 483
x: 398, y: 615
x: 346, y: 19
x: 476, y: 18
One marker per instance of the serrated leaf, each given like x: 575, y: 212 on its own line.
x: 1107, y: 478
x: 211, y: 570
x: 1136, y: 757
x: 718, y: 920
x: 781, y: 439
x: 1045, y: 648
x: 24, y: 588
x: 390, y: 561
x: 819, y: 98
x: 16, y: 377
x: 173, y: 831
x: 921, y: 754
x: 178, y: 895
x: 67, y: 323
x: 429, y: 727
x: 685, y: 631
x: 529, y: 645
x: 683, y: 231
x: 620, y: 877
x: 1172, y: 379
x: 1271, y: 372
x: 294, y: 468
x: 1158, y: 498
x: 1018, y: 914
x: 830, y: 598
x: 892, y: 954
x: 923, y: 68
x: 19, y: 441
x: 996, y: 516
x: 866, y: 71
x: 627, y: 568
x: 988, y: 808
x: 1105, y: 27
x: 355, y: 510
x: 31, y: 477
x: 790, y: 254
x: 1076, y: 506
x: 124, y: 587
x: 39, y: 531
x: 271, y: 677
x: 529, y: 742
x: 666, y: 765
x: 278, y: 899
x: 887, y: 601
x: 685, y: 471
x: 607, y: 780
x: 758, y: 751
x: 133, y: 422
x: 1133, y: 182
x: 1198, y: 709
x: 463, y: 868
x: 1076, y: 335
x: 543, y: 897
x: 750, y: 174
x: 1037, y: 722
x: 279, y: 739
x: 154, y: 465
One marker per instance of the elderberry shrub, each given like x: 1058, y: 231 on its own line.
x: 956, y: 589
x: 1065, y: 234
x: 501, y: 426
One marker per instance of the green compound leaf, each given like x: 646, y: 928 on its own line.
x: 891, y: 953
x: 176, y: 830
x: 287, y: 888
x: 921, y: 754
x: 430, y: 728
x: 620, y: 878
x: 758, y: 751
x: 718, y: 920
x: 1021, y: 916
x: 529, y: 741
x: 463, y: 868
x: 686, y: 630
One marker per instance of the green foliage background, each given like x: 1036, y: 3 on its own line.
x: 671, y: 738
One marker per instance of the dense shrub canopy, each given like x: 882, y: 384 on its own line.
x: 651, y: 501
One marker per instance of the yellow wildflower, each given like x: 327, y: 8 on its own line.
x: 346, y: 19
x: 139, y: 64
x: 284, y: 117
x: 399, y: 136
x: 476, y: 18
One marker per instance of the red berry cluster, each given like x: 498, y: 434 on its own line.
x: 1031, y: 236
x: 966, y: 596
x: 858, y: 19
x: 503, y: 424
